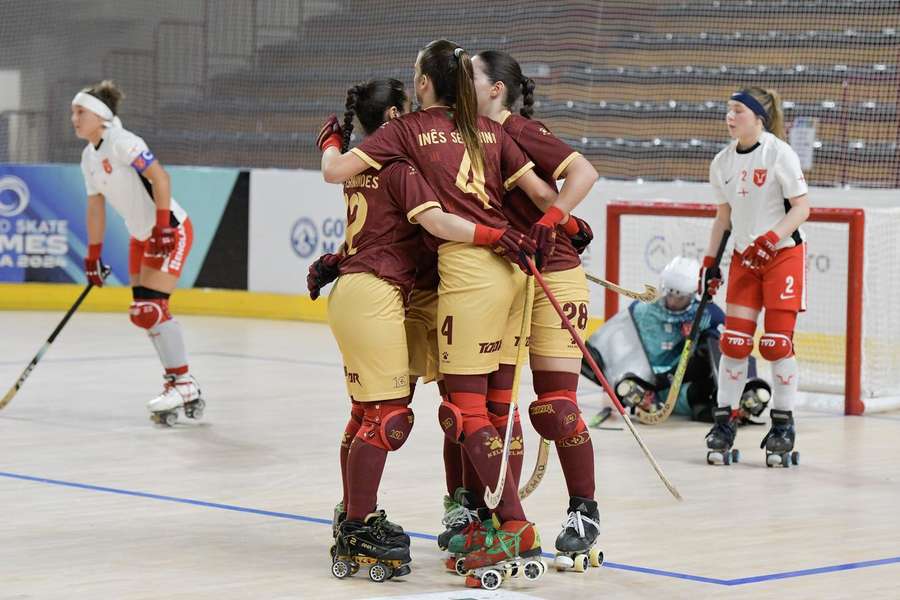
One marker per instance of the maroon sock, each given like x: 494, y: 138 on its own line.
x: 485, y: 449
x: 453, y: 466
x: 499, y: 396
x: 576, y: 453
x: 471, y: 481
x: 365, y: 466
x: 353, y: 425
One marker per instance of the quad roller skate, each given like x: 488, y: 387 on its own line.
x: 378, y: 520
x: 779, y: 442
x: 720, y: 438
x: 513, y: 551
x: 634, y: 392
x: 179, y: 391
x: 575, y: 545
x: 364, y: 544
x: 474, y: 536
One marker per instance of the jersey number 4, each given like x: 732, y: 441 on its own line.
x: 357, y: 209
x: 470, y: 179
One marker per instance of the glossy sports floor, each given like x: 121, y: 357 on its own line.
x: 99, y: 503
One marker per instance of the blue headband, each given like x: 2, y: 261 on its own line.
x: 753, y: 104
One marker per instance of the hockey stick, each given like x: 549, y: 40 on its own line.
x: 492, y: 497
x: 660, y: 415
x: 602, y: 379
x: 650, y: 294
x: 540, y: 469
x: 37, y: 357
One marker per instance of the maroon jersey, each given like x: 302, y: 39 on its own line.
x: 429, y: 139
x: 550, y: 156
x: 381, y: 236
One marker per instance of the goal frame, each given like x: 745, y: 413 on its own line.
x: 855, y: 218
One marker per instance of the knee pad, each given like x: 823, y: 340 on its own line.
x: 147, y: 314
x: 463, y: 415
x: 451, y: 420
x: 386, y: 426
x: 737, y: 339
x: 774, y: 346
x: 579, y: 437
x: 353, y: 424
x: 554, y: 417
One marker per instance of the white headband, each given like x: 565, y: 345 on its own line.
x: 98, y: 107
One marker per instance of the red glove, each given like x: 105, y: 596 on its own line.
x: 163, y: 237
x: 514, y: 245
x: 322, y: 272
x: 761, y: 251
x: 544, y: 235
x: 330, y: 135
x: 94, y: 268
x: 710, y: 277
x: 579, y: 232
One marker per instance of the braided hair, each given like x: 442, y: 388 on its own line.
x: 368, y: 102
x: 500, y: 66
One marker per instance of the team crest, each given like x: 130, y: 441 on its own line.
x: 759, y: 176
x: 107, y: 167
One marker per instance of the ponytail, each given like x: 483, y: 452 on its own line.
x: 527, y: 98
x: 350, y: 105
x: 466, y: 113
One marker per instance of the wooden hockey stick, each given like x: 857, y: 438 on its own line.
x: 492, y: 497
x: 37, y: 357
x: 664, y: 411
x: 540, y: 469
x: 650, y: 293
x: 599, y: 374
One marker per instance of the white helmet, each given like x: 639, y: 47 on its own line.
x: 680, y: 276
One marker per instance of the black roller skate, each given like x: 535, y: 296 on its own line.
x: 779, y: 442
x: 634, y: 392
x: 365, y: 544
x: 575, y: 545
x: 379, y: 520
x: 720, y: 438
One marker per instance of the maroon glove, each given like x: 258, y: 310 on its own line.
x: 322, y: 272
x: 330, y: 135
x: 163, y: 237
x: 94, y: 268
x: 579, y: 232
x: 544, y: 235
x: 514, y: 245
x: 761, y: 251
x: 710, y: 277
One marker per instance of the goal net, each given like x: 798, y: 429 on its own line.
x: 848, y: 340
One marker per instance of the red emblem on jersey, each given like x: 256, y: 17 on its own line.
x: 106, y: 166
x: 759, y: 177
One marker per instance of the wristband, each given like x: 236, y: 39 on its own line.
x: 163, y: 218
x: 552, y: 217
x: 486, y: 236
x: 571, y: 226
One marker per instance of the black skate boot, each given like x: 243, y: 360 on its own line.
x: 779, y: 442
x: 720, y: 438
x: 340, y: 515
x: 575, y: 545
x: 389, y: 529
x: 365, y: 544
x: 458, y: 514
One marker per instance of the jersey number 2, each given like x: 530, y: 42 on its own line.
x: 467, y: 171
x: 357, y: 209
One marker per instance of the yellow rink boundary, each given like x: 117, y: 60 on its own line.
x: 829, y: 349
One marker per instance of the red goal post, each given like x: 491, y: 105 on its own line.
x: 854, y: 218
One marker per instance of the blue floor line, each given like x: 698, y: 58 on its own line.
x: 425, y: 536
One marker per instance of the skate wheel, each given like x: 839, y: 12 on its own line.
x: 170, y: 419
x: 460, y: 566
x: 795, y: 458
x: 596, y: 557
x: 340, y: 569
x: 534, y: 569
x: 563, y: 562
x: 709, y: 458
x: 379, y: 572
x: 512, y: 571
x: 581, y: 563
x: 491, y: 579
x: 772, y: 460
x: 726, y: 458
x: 786, y: 460
x: 735, y: 455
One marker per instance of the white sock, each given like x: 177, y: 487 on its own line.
x: 732, y: 378
x: 169, y: 344
x: 784, y: 383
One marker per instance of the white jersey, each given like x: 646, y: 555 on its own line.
x: 757, y: 183
x: 115, y: 169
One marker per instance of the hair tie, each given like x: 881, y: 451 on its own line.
x: 458, y: 52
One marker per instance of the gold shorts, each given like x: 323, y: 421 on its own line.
x: 549, y: 337
x: 421, y: 335
x: 475, y: 301
x: 366, y: 317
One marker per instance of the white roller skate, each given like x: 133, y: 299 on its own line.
x: 179, y: 391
